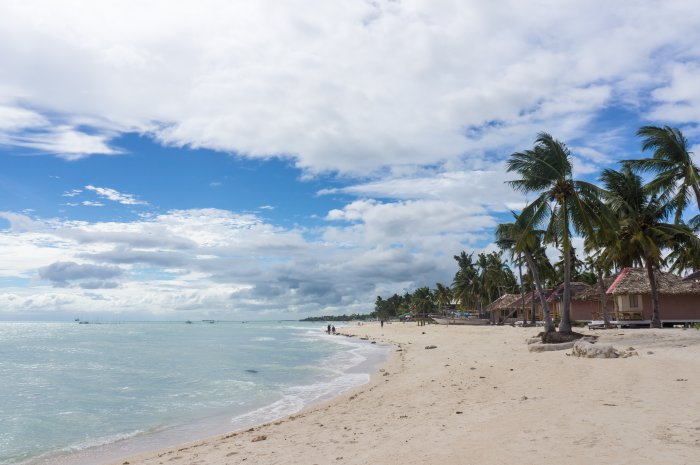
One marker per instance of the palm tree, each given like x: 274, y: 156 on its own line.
x: 676, y: 174
x: 505, y: 243
x: 501, y: 277
x: 482, y: 283
x: 562, y: 202
x: 464, y: 282
x: 443, y: 295
x: 423, y: 300
x: 642, y: 230
x: 521, y: 238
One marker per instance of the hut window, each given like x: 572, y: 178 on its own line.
x: 634, y: 303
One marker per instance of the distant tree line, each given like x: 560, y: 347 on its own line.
x: 476, y: 283
x: 353, y: 317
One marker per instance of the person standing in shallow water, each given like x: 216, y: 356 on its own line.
x: 329, y: 329
x: 333, y: 329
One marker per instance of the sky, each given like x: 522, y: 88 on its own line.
x: 171, y: 160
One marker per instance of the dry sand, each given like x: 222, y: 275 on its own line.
x: 481, y: 398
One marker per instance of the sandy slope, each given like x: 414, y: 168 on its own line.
x: 481, y: 398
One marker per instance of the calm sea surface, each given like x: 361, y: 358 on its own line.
x: 79, y: 394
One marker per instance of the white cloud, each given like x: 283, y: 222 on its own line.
x: 73, y: 193
x: 115, y: 196
x: 473, y: 188
x: 66, y: 142
x: 346, y: 86
x: 419, y: 226
x: 234, y: 265
x: 89, y: 203
x: 23, y: 127
x: 679, y: 100
x: 13, y: 118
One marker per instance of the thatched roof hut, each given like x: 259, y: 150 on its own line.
x: 592, y: 292
x: 504, y: 302
x: 575, y: 289
x: 529, y: 296
x: 636, y: 281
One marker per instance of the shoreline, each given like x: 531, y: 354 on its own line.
x: 354, y: 369
x: 323, y: 404
x: 480, y: 397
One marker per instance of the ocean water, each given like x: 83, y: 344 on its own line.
x: 85, y: 394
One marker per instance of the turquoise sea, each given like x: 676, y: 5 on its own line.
x: 88, y: 393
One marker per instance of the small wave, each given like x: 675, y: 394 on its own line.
x: 83, y: 452
x: 283, y: 407
x: 103, y: 441
x: 296, y: 398
x: 264, y: 338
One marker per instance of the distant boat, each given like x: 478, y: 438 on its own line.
x: 82, y: 322
x: 188, y: 322
x: 461, y: 321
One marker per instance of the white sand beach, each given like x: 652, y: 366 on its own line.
x: 480, y: 397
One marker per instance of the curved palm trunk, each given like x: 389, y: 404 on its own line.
x: 565, y: 323
x: 488, y: 296
x: 522, y: 294
x: 548, y: 323
x: 533, y: 310
x: 603, y: 298
x: 655, y: 310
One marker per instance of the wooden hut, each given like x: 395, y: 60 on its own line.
x: 532, y: 301
x: 502, y: 309
x: 679, y: 299
x: 628, y: 298
x: 586, y: 304
x: 555, y: 299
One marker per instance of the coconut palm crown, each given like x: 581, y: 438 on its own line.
x: 676, y: 174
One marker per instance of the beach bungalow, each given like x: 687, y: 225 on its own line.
x: 502, y: 310
x: 512, y: 309
x: 586, y: 304
x: 679, y: 298
x: 628, y: 298
x: 555, y: 299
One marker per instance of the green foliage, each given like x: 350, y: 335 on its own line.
x: 391, y: 307
x: 676, y: 176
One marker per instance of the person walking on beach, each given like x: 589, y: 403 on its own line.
x: 381, y: 322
